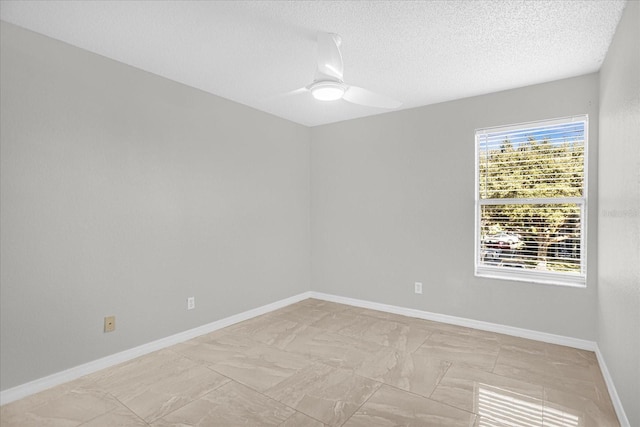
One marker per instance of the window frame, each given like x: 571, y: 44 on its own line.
x: 530, y: 275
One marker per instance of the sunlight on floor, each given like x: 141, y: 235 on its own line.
x: 509, y: 408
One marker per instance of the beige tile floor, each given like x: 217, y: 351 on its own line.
x: 317, y: 363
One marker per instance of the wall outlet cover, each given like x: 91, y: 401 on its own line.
x: 110, y: 323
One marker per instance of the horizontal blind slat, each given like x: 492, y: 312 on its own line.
x: 531, y: 181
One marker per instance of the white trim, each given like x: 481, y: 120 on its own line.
x: 35, y: 386
x: 575, y: 280
x: 528, y: 275
x: 494, y: 327
x: 615, y: 399
x: 577, y: 118
x: 27, y: 389
x: 461, y: 321
x: 532, y: 201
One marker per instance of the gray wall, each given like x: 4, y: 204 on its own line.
x: 393, y: 203
x: 125, y: 193
x: 619, y: 200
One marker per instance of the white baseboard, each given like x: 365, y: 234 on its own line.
x: 461, y: 321
x: 493, y: 327
x: 32, y: 387
x: 58, y: 378
x: 615, y: 399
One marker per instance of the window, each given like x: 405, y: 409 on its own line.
x: 531, y: 201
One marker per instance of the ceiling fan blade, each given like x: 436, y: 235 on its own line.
x: 296, y: 92
x: 291, y: 93
x: 329, y: 56
x: 361, y: 96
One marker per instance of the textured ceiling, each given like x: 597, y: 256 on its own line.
x: 418, y: 52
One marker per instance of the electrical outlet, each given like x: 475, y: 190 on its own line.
x: 191, y: 303
x: 110, y: 323
x: 418, y: 287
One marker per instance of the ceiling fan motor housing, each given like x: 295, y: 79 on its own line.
x: 327, y: 90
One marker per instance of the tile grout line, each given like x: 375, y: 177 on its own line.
x: 366, y: 400
x: 495, y: 362
x: 501, y: 351
x: 265, y: 395
x: 441, y: 378
x: 129, y: 409
x: 102, y: 415
x: 187, y: 403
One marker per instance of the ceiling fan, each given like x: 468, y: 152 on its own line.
x: 328, y: 84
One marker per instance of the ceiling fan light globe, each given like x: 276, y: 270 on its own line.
x: 327, y: 91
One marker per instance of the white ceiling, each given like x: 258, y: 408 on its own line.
x: 418, y: 52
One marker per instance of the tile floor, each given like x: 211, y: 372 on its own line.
x: 317, y: 363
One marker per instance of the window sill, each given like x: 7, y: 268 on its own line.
x: 531, y: 276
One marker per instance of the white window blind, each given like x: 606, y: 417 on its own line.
x: 531, y: 201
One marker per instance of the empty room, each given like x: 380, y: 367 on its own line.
x: 320, y: 213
